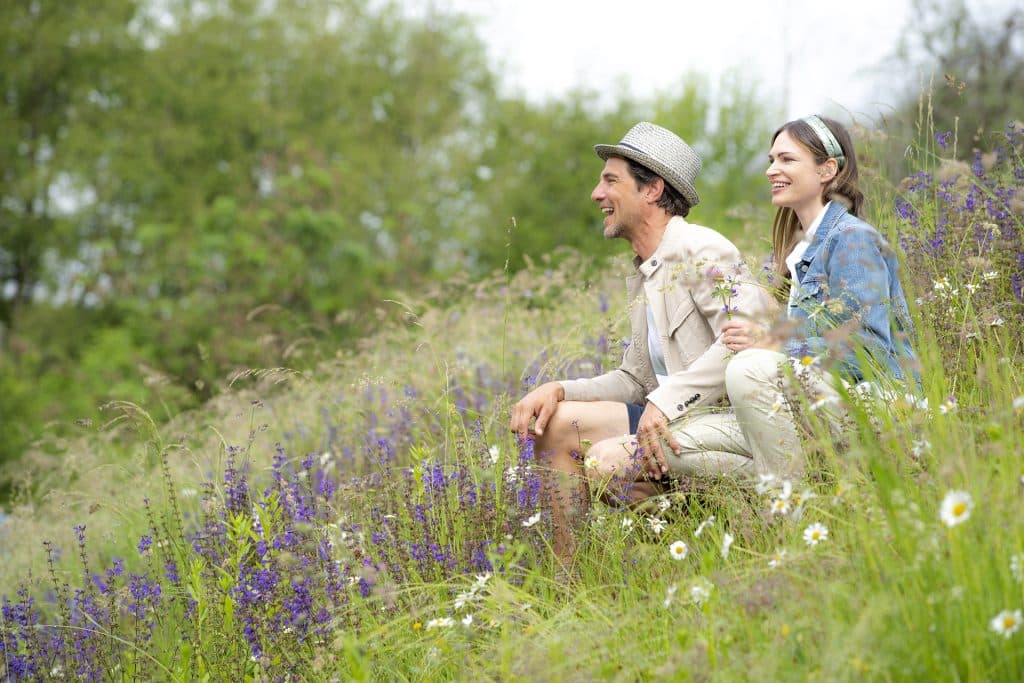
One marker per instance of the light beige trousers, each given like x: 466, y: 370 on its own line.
x: 757, y: 434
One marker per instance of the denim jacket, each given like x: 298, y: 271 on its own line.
x: 850, y: 304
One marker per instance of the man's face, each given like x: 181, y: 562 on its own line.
x: 620, y: 199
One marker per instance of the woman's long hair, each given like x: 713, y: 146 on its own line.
x: 786, y: 229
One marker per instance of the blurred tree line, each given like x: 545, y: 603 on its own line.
x: 189, y: 188
x: 192, y: 188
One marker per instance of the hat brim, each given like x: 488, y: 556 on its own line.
x: 684, y: 187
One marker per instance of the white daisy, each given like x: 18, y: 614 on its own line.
x: 777, y: 558
x: 1006, y: 623
x: 948, y: 406
x: 990, y: 275
x: 441, y: 622
x: 956, y: 508
x: 678, y: 550
x: 494, y: 453
x: 481, y: 580
x: 467, y: 620
x: 780, y: 506
x: 657, y: 525
x: 532, y: 519
x: 627, y: 523
x: 727, y: 540
x: 665, y: 503
x: 997, y: 322
x: 815, y: 533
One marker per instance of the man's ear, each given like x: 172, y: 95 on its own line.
x: 655, y: 190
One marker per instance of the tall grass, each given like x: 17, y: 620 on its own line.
x: 375, y: 520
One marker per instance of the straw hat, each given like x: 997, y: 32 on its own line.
x: 662, y: 151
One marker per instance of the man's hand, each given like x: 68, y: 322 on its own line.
x: 739, y: 334
x: 539, y: 403
x: 652, y: 428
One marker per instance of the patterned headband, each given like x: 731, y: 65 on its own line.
x: 832, y: 147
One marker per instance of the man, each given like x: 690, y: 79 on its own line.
x: 689, y: 281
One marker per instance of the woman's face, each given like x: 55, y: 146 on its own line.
x: 796, y: 179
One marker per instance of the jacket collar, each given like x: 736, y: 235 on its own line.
x: 836, y: 210
x: 673, y: 232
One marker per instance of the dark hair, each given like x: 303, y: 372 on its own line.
x: 671, y: 200
x: 842, y: 188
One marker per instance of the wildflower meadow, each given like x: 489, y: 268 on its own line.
x: 374, y: 519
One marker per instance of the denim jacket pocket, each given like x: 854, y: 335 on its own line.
x: 810, y: 296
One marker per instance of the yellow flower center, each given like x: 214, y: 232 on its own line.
x: 959, y: 509
x: 806, y: 360
x: 1009, y: 622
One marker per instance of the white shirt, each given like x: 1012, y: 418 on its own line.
x: 654, y: 347
x: 798, y: 253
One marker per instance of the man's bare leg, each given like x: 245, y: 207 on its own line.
x: 560, y: 449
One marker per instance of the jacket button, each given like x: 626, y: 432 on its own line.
x: 680, y: 407
x: 804, y: 267
x: 654, y: 262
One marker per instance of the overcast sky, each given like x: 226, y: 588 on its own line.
x: 807, y: 56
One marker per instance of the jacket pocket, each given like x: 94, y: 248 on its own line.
x: 680, y: 333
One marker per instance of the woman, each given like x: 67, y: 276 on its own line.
x: 845, y: 308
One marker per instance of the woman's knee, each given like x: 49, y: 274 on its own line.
x: 750, y: 369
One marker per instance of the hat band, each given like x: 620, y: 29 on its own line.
x: 832, y: 147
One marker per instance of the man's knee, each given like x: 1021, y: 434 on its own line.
x: 612, y: 458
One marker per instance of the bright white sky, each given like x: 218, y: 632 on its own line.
x: 807, y: 56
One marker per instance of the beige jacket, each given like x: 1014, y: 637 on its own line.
x: 683, y: 282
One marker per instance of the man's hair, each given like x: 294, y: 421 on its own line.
x: 670, y: 200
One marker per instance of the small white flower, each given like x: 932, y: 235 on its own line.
x: 971, y: 287
x: 670, y: 594
x: 627, y: 523
x: 727, y: 540
x: 956, y: 508
x: 678, y: 550
x: 1006, y: 623
x: 1018, y: 404
x: 191, y: 493
x: 776, y: 407
x: 463, y: 599
x: 481, y: 580
x: 657, y: 525
x: 700, y: 591
x: 467, y: 620
x: 920, y: 447
x: 787, y: 489
x: 532, y: 519
x: 997, y: 322
x: 441, y: 622
x: 494, y: 452
x: 780, y: 506
x: 815, y: 533
x: 703, y: 525
x: 1017, y: 567
x: 590, y: 462
x: 948, y: 406
x: 777, y: 558
x: 665, y: 503
x: 765, y: 483
x: 990, y: 275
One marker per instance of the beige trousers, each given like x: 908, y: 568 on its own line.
x: 757, y: 435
